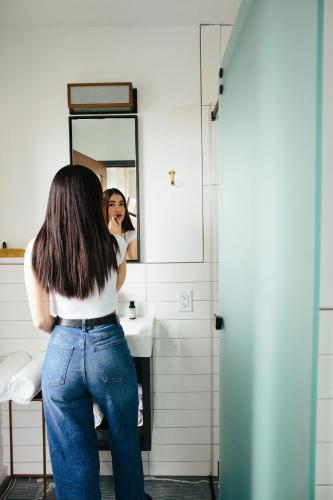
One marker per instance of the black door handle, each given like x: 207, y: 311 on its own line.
x: 219, y: 322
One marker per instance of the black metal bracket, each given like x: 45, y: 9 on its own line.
x: 215, y: 111
x: 219, y: 322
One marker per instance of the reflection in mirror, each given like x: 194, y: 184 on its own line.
x: 109, y: 146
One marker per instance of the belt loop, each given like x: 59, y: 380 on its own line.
x: 83, y: 325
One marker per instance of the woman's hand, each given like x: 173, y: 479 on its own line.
x: 114, y: 226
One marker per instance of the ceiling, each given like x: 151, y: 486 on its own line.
x: 103, y: 13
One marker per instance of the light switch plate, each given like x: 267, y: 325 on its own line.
x: 184, y: 300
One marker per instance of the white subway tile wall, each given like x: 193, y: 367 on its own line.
x: 324, y: 459
x: 185, y: 423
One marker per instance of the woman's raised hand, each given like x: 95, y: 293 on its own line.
x: 114, y: 226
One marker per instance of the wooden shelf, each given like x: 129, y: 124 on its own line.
x: 11, y: 252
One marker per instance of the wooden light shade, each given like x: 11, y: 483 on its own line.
x: 101, y: 98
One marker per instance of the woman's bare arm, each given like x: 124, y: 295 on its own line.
x: 132, y: 250
x: 121, y: 275
x: 38, y: 299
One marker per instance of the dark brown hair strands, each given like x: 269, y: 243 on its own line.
x: 74, y: 249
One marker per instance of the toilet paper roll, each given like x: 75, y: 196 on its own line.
x: 26, y: 383
x: 9, y: 367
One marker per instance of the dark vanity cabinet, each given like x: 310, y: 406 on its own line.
x: 144, y: 376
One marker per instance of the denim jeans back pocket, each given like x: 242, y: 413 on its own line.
x: 113, y: 359
x: 56, y: 363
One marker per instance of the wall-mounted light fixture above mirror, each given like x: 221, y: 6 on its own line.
x: 85, y: 98
x: 108, y: 145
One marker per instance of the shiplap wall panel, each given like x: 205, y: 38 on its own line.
x: 325, y: 420
x: 14, y: 311
x: 326, y: 332
x: 182, y: 365
x: 324, y: 493
x: 182, y: 347
x: 12, y: 292
x: 184, y: 452
x: 11, y: 273
x: 324, y: 463
x: 201, y: 309
x: 182, y: 273
x: 182, y: 400
x: 37, y: 468
x: 324, y: 458
x: 130, y: 290
x: 325, y: 376
x: 182, y: 435
x: 186, y: 468
x: 20, y: 330
x: 167, y: 292
x: 185, y: 328
x: 34, y: 453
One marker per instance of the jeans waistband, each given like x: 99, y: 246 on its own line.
x: 91, y: 322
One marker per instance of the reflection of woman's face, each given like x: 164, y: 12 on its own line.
x: 116, y: 208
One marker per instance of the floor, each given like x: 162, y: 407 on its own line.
x: 166, y: 487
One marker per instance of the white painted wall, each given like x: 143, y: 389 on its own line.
x: 324, y: 469
x: 164, y: 65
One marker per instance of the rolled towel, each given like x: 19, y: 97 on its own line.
x: 98, y: 414
x: 140, y: 418
x: 140, y: 396
x: 8, y: 367
x: 25, y: 384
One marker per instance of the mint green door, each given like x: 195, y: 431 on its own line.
x: 270, y: 119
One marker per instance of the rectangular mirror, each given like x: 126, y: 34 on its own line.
x: 108, y: 145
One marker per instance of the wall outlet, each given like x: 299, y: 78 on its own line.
x: 184, y: 301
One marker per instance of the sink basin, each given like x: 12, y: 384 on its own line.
x: 139, y: 335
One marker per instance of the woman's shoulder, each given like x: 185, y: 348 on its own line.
x: 130, y: 236
x: 30, y: 245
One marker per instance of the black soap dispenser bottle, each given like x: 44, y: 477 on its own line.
x: 132, y: 310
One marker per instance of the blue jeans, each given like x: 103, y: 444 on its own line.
x: 81, y: 363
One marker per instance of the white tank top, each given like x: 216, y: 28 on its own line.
x: 96, y: 305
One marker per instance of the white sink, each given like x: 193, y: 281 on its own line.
x: 139, y: 334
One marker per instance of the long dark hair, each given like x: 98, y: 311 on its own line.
x: 126, y: 225
x: 74, y: 249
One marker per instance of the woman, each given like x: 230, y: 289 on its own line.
x: 73, y: 269
x: 119, y: 221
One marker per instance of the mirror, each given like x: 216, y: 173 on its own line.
x: 108, y: 145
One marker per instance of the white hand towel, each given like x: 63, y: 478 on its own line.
x: 24, y: 385
x: 98, y: 414
x: 140, y: 396
x: 140, y: 418
x: 9, y: 366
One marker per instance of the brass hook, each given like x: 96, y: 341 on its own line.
x: 172, y: 174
